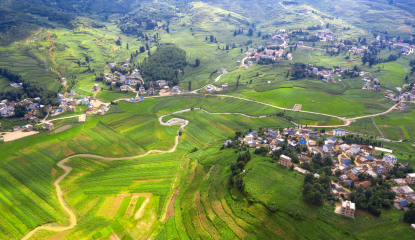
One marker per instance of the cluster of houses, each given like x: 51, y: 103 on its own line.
x: 16, y: 85
x: 125, y: 81
x: 352, y: 159
x: 368, y: 84
x: 406, y: 48
x: 326, y: 73
x: 267, y: 53
x: 323, y: 35
x: 405, y: 96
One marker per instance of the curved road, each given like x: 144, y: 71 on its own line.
x: 72, y: 217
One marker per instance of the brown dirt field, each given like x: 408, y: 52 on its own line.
x: 170, y: 208
x: 24, y: 161
x: 53, y: 171
x: 56, y: 148
x: 401, y: 134
x: 114, y: 236
x: 67, y: 151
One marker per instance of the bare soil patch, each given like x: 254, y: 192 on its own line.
x: 11, y: 136
x: 53, y: 171
x: 170, y: 209
x: 67, y: 151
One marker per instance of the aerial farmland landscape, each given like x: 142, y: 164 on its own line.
x: 182, y: 119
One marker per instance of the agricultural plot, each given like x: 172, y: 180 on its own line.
x: 310, y: 100
x: 398, y: 124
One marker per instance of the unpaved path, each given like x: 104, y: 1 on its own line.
x: 67, y: 170
x: 140, y: 211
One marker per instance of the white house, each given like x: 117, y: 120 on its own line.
x: 390, y: 158
x: 355, y: 149
x: 339, y: 132
x: 378, y: 168
x: 357, y: 170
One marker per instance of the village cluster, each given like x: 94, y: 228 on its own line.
x: 406, y: 48
x: 349, y: 160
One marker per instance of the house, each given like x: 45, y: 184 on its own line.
x: 315, y: 70
x: 364, y: 184
x: 344, y: 147
x: 37, y: 99
x: 96, y: 88
x: 313, y: 134
x: 337, y: 186
x: 371, y: 173
x: 354, y: 149
x: 239, y: 63
x: 84, y: 101
x: 378, y: 168
x: 285, y: 161
x: 28, y: 127
x: 90, y: 108
x: 352, y: 177
x: 225, y: 87
x: 376, y: 88
x: 331, y: 140
x: 227, y: 143
x: 362, y: 159
x: 292, y: 131
x: 402, y: 203
x: 175, y: 90
x: 400, y: 181
x: 347, y: 209
x: 311, y: 143
x: 346, y: 162
x: 293, y: 144
x: 289, y: 56
x: 339, y: 132
x: 17, y: 128
x: 100, y: 112
x: 357, y: 170
x: 410, y: 178
x: 142, y: 89
x: 387, y: 167
x: 49, y: 126
x: 405, y: 190
x: 390, y: 158
x: 327, y: 148
x: 71, y: 108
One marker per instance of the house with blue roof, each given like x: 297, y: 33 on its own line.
x: 327, y: 148
x: 339, y: 132
x: 303, y: 143
x: 346, y: 162
x: 403, y: 203
x: 313, y: 134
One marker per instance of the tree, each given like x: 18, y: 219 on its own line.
x: 87, y: 59
x: 190, y: 86
x: 240, y: 165
x: 242, y: 50
x: 168, y: 30
x: 119, y: 41
x: 79, y: 63
x: 227, y: 47
x: 20, y: 110
x: 259, y: 34
x: 142, y: 49
x: 328, y: 25
x: 250, y: 32
x: 292, y: 167
x: 128, y: 47
x: 197, y: 63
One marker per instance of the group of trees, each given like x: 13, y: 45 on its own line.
x: 372, y: 199
x: 237, y: 168
x: 319, y: 165
x: 165, y: 63
x: 360, y: 140
x: 316, y: 190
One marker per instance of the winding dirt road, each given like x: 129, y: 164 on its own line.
x: 72, y: 217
